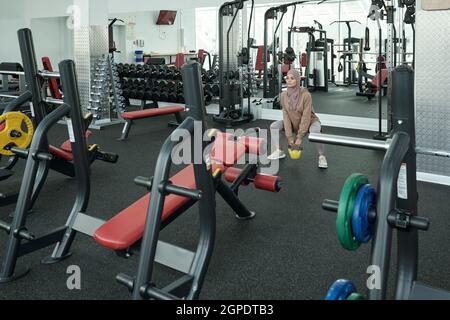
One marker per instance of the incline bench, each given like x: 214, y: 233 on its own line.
x: 149, y: 113
x: 126, y: 228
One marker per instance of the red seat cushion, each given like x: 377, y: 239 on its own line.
x: 253, y: 144
x: 225, y: 151
x: 375, y: 80
x: 67, y: 146
x: 127, y: 227
x: 61, y: 153
x: 154, y: 112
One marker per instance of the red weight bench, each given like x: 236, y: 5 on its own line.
x: 62, y: 161
x: 127, y: 227
x: 130, y: 116
x: 53, y: 85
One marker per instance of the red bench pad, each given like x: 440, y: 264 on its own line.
x: 227, y: 152
x: 154, y: 112
x: 59, y: 153
x: 127, y: 227
x: 67, y: 146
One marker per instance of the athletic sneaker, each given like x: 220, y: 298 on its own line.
x: 277, y: 154
x: 323, y: 162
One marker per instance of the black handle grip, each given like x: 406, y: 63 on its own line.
x: 144, y: 182
x: 420, y: 223
x: 126, y: 280
x: 181, y: 191
x: 330, y: 205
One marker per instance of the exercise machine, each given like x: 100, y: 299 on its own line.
x: 347, y: 50
x: 233, y: 63
x: 62, y: 159
x: 317, y: 71
x: 272, y: 81
x: 140, y: 223
x: 364, y: 214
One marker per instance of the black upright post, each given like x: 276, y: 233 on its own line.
x: 404, y: 121
x: 34, y: 83
x: 221, y: 59
x: 397, y: 189
x: 268, y: 15
x: 31, y: 72
x: 380, y: 135
x: 349, y: 34
x: 75, y: 125
x: 194, y: 98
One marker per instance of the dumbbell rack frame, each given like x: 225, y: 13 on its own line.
x: 113, y: 116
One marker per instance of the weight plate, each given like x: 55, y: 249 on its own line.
x: 365, y: 199
x: 15, y: 129
x: 345, y: 210
x: 340, y: 290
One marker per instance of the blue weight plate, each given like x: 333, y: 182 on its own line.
x: 365, y: 199
x: 340, y: 290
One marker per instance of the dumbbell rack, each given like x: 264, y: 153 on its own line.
x: 106, y: 101
x: 157, y: 84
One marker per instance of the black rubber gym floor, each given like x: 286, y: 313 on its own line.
x: 288, y: 251
x: 344, y: 102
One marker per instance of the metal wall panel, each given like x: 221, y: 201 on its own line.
x: 83, y: 63
x: 432, y: 88
x: 99, y: 70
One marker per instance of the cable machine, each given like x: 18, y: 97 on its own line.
x: 234, y: 60
x: 346, y: 66
x: 317, y: 72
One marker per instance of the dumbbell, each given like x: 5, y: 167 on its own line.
x: 164, y: 96
x: 215, y: 90
x: 148, y: 95
x: 133, y: 93
x: 173, y: 97
x: 139, y: 73
x: 179, y: 85
x: 132, y: 73
x: 140, y: 94
x: 147, y: 74
x: 154, y: 74
x: 177, y: 75
x: 180, y: 97
x: 208, y: 97
x: 156, y: 95
x: 207, y: 87
x: 171, y: 85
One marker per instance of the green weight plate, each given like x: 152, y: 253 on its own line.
x: 356, y: 296
x: 345, y: 210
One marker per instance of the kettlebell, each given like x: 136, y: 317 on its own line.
x: 295, y: 152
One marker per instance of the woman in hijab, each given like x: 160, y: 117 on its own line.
x: 298, y: 118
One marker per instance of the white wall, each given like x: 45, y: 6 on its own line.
x: 157, y: 38
x: 52, y: 38
x: 11, y: 19
x: 9, y: 48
